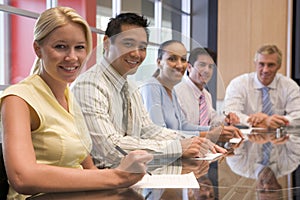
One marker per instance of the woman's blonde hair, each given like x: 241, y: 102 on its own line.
x: 52, y: 19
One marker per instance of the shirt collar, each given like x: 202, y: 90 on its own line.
x: 116, y: 79
x: 196, y: 91
x: 259, y: 85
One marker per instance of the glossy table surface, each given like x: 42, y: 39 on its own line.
x: 239, y: 175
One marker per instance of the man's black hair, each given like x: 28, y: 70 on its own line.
x: 115, y: 24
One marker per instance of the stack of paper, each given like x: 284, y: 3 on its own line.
x: 168, y: 181
x: 209, y: 157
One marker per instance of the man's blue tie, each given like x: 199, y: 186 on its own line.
x: 267, y: 109
x: 266, y: 102
x: 266, y: 152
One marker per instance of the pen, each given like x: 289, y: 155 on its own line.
x: 227, y: 116
x: 125, y: 154
x: 121, y: 150
x: 148, y: 195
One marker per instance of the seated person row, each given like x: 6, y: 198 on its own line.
x: 161, y: 100
x: 245, y: 93
x: 101, y: 93
x: 46, y: 143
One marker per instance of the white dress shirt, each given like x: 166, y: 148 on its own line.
x: 98, y: 92
x: 243, y: 96
x: 188, y: 95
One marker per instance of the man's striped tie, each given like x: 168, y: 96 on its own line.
x: 267, y: 109
x: 203, y: 112
x: 266, y: 102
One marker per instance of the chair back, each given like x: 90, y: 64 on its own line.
x: 3, y: 177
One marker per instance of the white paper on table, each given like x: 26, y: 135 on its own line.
x: 209, y: 157
x: 249, y: 130
x: 235, y: 140
x: 246, y: 131
x: 168, y: 181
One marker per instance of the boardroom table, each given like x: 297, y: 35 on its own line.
x: 237, y: 175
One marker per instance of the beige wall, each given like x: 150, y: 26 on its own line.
x: 132, y: 6
x: 243, y: 26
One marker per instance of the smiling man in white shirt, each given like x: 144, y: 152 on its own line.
x: 244, y: 96
x: 192, y: 87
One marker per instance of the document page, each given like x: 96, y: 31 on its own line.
x: 249, y: 130
x: 209, y: 157
x: 168, y: 181
x: 246, y: 131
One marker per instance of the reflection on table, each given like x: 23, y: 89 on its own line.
x: 241, y: 176
x: 120, y: 194
x: 249, y: 161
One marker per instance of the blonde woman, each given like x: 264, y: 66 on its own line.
x: 45, y: 140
